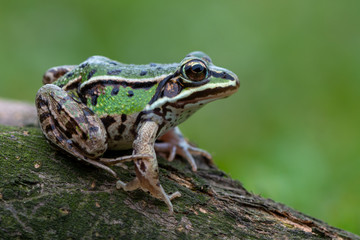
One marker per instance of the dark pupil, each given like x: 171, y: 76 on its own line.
x: 197, y: 68
x: 195, y: 71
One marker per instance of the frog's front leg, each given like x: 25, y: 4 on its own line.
x: 173, y: 142
x: 71, y: 125
x: 147, y: 171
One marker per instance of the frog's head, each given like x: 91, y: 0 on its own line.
x: 195, y: 82
x: 202, y: 81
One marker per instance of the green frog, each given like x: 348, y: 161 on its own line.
x: 103, y: 105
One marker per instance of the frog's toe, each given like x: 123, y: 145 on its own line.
x: 185, y: 153
x: 167, y: 148
x: 174, y: 195
x: 122, y: 165
x: 201, y: 152
x: 130, y: 186
x: 120, y: 184
x: 172, y: 154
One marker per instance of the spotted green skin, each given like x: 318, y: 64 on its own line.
x: 103, y: 105
x: 123, y: 102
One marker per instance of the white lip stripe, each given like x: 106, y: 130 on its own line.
x: 184, y: 94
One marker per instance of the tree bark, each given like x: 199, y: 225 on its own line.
x: 45, y: 194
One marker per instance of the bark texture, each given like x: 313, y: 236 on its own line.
x: 45, y: 194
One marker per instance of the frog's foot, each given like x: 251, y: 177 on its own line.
x: 184, y: 149
x: 160, y: 193
x: 174, y: 143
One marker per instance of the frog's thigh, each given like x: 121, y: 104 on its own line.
x: 69, y: 124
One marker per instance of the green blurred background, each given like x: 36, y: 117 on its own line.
x: 291, y: 133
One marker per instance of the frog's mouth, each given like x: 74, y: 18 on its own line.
x: 221, y: 84
x: 209, y: 94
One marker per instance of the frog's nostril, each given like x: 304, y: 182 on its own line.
x: 223, y: 75
x: 226, y: 76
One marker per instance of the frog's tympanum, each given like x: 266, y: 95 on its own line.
x: 103, y: 104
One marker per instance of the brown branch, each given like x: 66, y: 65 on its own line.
x: 45, y: 194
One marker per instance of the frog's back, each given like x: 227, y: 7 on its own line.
x: 113, y: 88
x: 109, y: 87
x: 99, y: 66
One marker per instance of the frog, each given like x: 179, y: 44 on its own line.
x: 102, y: 104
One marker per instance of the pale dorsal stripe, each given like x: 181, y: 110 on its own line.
x: 122, y: 79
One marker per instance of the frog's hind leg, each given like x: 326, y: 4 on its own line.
x: 52, y: 74
x: 71, y: 125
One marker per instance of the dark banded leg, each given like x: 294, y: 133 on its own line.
x: 71, y: 125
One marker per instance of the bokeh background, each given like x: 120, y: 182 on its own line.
x: 291, y: 133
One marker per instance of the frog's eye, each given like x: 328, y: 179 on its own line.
x: 194, y: 70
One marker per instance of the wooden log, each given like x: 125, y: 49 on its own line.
x: 45, y: 194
